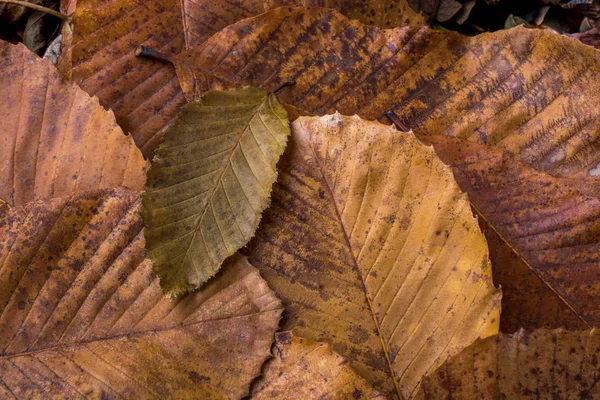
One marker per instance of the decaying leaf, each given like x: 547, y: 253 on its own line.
x: 549, y: 221
x: 303, y: 369
x: 529, y: 93
x: 384, y: 14
x: 441, y: 10
x: 543, y: 364
x: 202, y: 18
x: 527, y: 301
x: 82, y: 315
x: 374, y: 249
x: 56, y: 139
x: 210, y: 182
x: 144, y: 95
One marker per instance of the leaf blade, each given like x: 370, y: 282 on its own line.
x: 363, y: 280
x: 81, y: 312
x: 210, y: 182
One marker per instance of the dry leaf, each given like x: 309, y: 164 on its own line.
x: 303, y: 369
x: 210, y: 182
x: 527, y: 301
x: 374, y: 249
x: 384, y: 14
x: 81, y: 314
x: 56, y: 139
x: 202, y: 18
x: 540, y: 364
x: 529, y: 93
x: 144, y: 95
x: 550, y: 222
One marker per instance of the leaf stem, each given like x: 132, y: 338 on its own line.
x: 148, y: 52
x: 392, y: 116
x: 37, y: 8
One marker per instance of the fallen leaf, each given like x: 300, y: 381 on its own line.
x: 529, y: 93
x: 202, y: 18
x: 528, y: 301
x: 303, y: 369
x: 99, y: 57
x: 384, y: 14
x: 56, y: 139
x: 210, y: 182
x: 550, y: 222
x: 374, y: 249
x: 144, y: 95
x: 81, y: 314
x: 545, y: 364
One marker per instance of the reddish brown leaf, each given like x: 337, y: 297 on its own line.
x: 56, y: 139
x: 144, y: 94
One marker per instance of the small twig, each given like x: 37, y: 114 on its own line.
x: 396, y: 120
x: 37, y: 8
x: 283, y: 86
x: 147, y: 52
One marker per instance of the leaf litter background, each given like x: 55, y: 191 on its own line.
x: 389, y: 270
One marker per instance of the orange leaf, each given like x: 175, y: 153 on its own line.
x: 57, y: 140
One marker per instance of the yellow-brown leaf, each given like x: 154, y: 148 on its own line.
x: 303, y: 369
x: 374, y: 249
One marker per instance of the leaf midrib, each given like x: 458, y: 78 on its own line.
x: 218, y: 182
x: 357, y: 270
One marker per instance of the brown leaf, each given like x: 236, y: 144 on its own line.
x: 81, y: 314
x: 540, y: 364
x: 56, y: 139
x: 384, y: 14
x: 202, y: 18
x: 527, y: 301
x: 374, y: 249
x: 144, y: 94
x: 303, y: 369
x: 551, y: 223
x: 529, y: 93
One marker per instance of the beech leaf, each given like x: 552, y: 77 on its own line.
x: 374, y: 249
x: 303, y: 369
x: 57, y: 140
x: 210, y: 182
x: 82, y: 315
x: 531, y: 94
x: 547, y: 364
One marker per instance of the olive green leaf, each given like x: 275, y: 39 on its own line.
x: 209, y: 183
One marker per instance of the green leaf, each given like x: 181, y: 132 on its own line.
x: 209, y: 183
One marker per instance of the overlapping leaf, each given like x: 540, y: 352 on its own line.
x: 99, y: 57
x: 374, y: 249
x: 540, y: 364
x: 56, y: 140
x: 303, y: 369
x: 81, y: 314
x: 529, y: 93
x: 210, y: 182
x: 384, y: 14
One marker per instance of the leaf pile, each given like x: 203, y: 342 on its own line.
x: 248, y: 222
